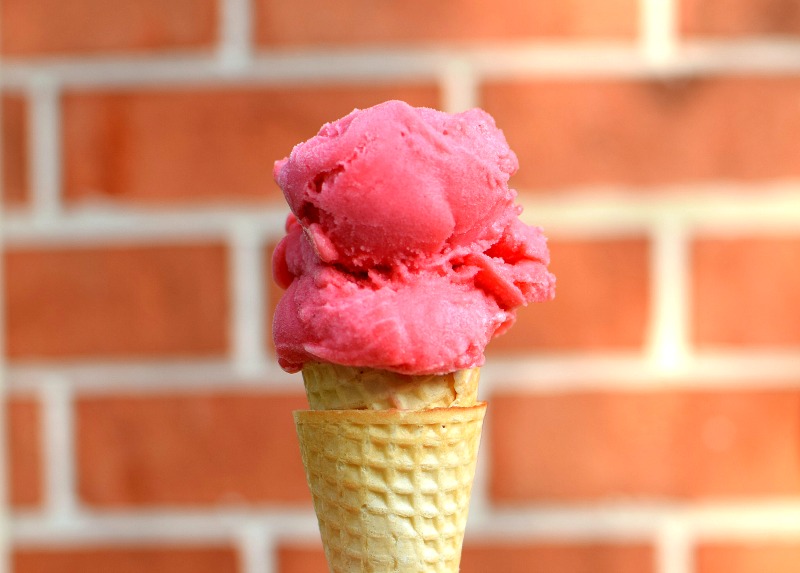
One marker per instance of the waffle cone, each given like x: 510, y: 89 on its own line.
x: 391, y: 487
x: 335, y: 387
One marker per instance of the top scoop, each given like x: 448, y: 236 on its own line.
x: 404, y: 250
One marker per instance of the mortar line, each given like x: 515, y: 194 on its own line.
x: 45, y: 150
x: 60, y: 503
x: 667, y: 340
x: 673, y: 550
x: 495, y: 60
x: 193, y: 224
x: 700, y: 207
x: 569, y: 373
x: 658, y: 31
x: 235, y: 50
x: 768, y: 518
x: 103, y: 379
x: 459, y: 86
x: 257, y: 549
x: 165, y: 527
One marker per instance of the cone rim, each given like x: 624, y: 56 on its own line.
x: 393, y: 416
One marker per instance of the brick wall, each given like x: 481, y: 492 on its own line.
x: 647, y: 421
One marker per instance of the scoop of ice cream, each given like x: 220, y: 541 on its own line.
x: 404, y: 250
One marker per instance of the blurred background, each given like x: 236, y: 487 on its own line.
x: 647, y: 421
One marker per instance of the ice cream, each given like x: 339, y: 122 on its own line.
x: 404, y: 255
x: 404, y: 250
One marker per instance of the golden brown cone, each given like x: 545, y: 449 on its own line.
x: 390, y: 461
x: 391, y: 488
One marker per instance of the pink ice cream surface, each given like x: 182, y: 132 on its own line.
x: 404, y: 250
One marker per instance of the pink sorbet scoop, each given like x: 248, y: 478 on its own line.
x: 404, y: 250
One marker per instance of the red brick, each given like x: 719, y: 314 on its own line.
x: 558, y: 558
x: 634, y: 132
x: 124, y: 559
x: 24, y: 452
x: 116, y: 302
x: 602, y: 294
x: 746, y: 292
x: 748, y: 557
x: 199, y: 144
x: 508, y: 558
x: 730, y: 18
x: 53, y: 27
x: 301, y: 559
x: 189, y: 450
x: 592, y: 445
x: 306, y: 22
x: 14, y: 147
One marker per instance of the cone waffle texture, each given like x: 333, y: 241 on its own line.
x: 335, y: 387
x: 391, y: 488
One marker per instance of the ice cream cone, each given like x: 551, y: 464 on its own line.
x: 390, y: 460
x: 404, y: 250
x: 391, y: 488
